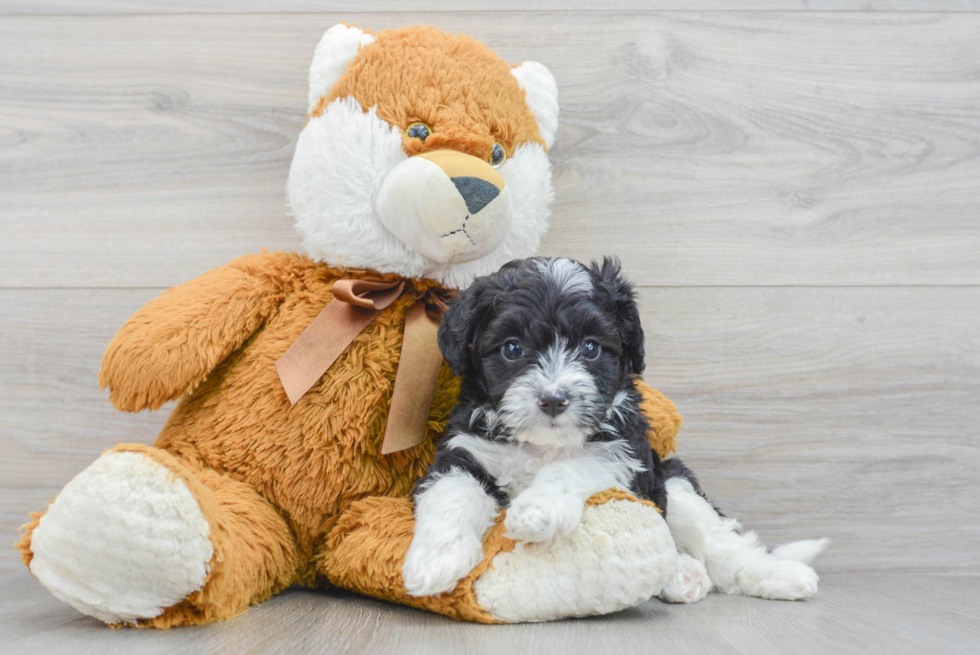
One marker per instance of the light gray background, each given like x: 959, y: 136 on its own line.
x: 795, y: 186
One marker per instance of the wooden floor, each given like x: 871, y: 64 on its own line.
x: 795, y: 185
x: 854, y: 613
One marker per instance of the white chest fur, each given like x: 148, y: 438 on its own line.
x: 514, y: 465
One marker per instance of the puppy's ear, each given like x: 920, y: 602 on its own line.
x: 610, y: 275
x: 459, y: 328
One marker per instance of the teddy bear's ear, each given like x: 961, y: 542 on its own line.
x: 541, y: 93
x: 333, y: 55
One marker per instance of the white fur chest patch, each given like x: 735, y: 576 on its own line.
x: 515, y: 465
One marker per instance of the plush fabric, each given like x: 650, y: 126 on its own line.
x: 278, y: 484
x: 541, y: 94
x: 454, y: 84
x: 664, y: 420
x: 356, y: 135
x: 158, y: 552
x: 242, y: 495
x: 366, y: 551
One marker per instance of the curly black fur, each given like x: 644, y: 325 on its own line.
x: 524, y: 301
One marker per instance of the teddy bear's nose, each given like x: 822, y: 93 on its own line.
x: 447, y: 205
x: 476, y: 192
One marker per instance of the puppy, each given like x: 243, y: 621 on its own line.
x: 548, y: 415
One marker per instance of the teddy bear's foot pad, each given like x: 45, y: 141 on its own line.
x: 620, y: 555
x: 123, y: 541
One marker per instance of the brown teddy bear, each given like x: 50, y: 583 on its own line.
x: 423, y: 164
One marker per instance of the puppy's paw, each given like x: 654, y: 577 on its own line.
x: 783, y: 580
x: 689, y: 584
x: 543, y: 518
x: 431, y: 569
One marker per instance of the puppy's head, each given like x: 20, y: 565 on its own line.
x: 544, y: 345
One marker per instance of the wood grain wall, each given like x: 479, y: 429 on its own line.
x: 795, y: 185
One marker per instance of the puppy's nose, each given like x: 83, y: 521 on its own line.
x: 553, y: 403
x: 476, y: 193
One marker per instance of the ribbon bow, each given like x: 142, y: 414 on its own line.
x: 355, y: 304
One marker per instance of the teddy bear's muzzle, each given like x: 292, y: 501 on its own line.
x: 449, y: 206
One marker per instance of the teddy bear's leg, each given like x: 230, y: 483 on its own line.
x: 620, y: 555
x: 141, y: 538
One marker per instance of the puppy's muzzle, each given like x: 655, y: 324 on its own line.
x: 449, y: 206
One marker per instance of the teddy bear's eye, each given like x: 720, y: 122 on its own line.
x: 419, y: 131
x: 498, y: 155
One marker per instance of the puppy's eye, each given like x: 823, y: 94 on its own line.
x: 512, y: 350
x: 418, y: 131
x: 498, y: 155
x: 591, y: 349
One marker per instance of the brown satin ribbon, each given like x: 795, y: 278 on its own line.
x: 354, y: 305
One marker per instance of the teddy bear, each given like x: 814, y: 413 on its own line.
x: 423, y: 164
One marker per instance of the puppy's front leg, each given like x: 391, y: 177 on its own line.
x: 552, y: 506
x: 451, y: 516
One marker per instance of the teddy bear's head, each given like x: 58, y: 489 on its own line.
x: 424, y: 154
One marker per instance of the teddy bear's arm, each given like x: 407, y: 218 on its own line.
x: 663, y: 418
x: 171, y: 345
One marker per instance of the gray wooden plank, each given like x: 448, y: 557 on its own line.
x: 49, y: 357
x: 110, y: 7
x: 849, y: 413
x: 732, y: 148
x: 853, y: 613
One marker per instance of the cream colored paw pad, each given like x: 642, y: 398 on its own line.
x: 124, y: 540
x: 689, y: 584
x: 620, y: 555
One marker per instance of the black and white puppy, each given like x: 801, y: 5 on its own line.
x: 548, y: 415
